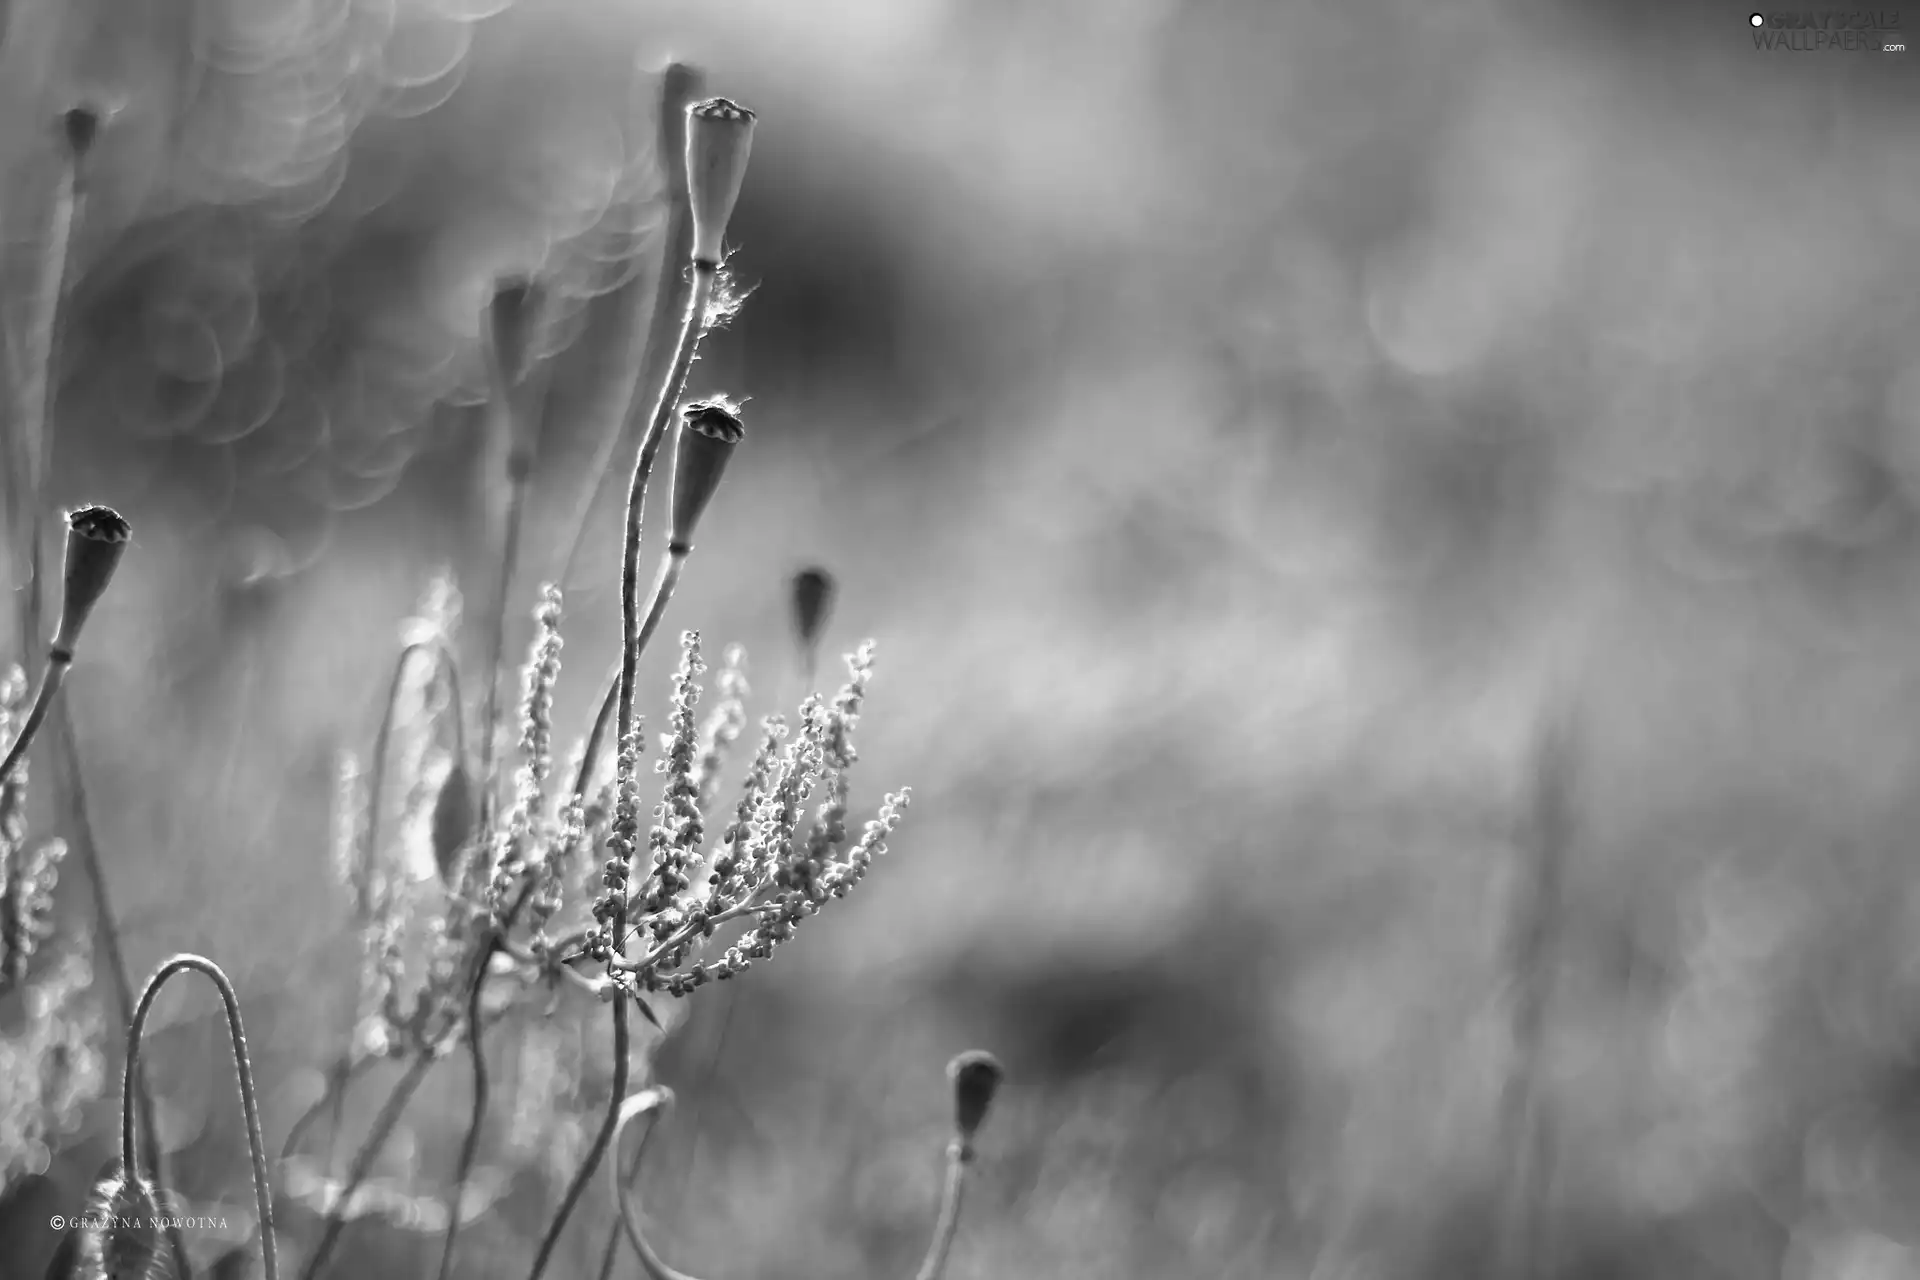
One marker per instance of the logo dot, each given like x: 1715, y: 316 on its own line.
x: 1758, y: 20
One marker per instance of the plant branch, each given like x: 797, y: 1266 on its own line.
x: 601, y: 1141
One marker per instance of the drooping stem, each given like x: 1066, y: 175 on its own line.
x: 601, y: 1141
x: 243, y: 1067
x: 623, y: 1194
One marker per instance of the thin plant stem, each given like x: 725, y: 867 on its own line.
x: 383, y: 1125
x: 691, y: 330
x: 629, y: 1203
x: 107, y: 925
x: 630, y: 626
x: 52, y: 676
x: 249, y: 1105
x: 327, y: 1101
x: 497, y: 639
x: 396, y: 1103
x: 680, y: 84
x: 601, y: 1141
x: 38, y: 395
x: 470, y: 1145
x: 370, y: 844
x: 1527, y: 1130
x: 612, y: 1251
x: 935, y: 1262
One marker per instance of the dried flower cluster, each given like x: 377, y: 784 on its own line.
x: 469, y: 907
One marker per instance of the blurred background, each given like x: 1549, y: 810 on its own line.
x: 1392, y: 534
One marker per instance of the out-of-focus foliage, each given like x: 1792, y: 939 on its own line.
x: 1237, y: 420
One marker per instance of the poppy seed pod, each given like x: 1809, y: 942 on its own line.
x: 709, y: 429
x: 976, y: 1076
x: 719, y: 140
x: 812, y: 603
x: 96, y: 539
x: 512, y: 316
x: 453, y: 822
x: 81, y: 125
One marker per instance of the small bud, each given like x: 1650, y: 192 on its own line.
x: 453, y: 821
x: 96, y: 539
x: 81, y: 125
x: 812, y: 604
x: 719, y: 140
x: 122, y: 1238
x: 512, y: 317
x: 976, y: 1076
x: 709, y: 430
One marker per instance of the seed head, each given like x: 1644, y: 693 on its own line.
x: 96, y: 539
x: 976, y: 1076
x: 709, y: 430
x: 719, y: 140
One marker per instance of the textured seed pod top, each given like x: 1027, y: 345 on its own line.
x: 719, y: 140
x: 709, y: 430
x: 976, y: 1076
x: 96, y: 539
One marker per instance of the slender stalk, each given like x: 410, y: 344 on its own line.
x: 623, y: 1195
x: 38, y: 395
x: 612, y: 1249
x: 396, y: 1103
x: 1527, y: 1130
x: 519, y: 471
x: 691, y: 330
x: 601, y: 1141
x: 256, y: 1142
x: 469, y: 1146
x: 680, y: 84
x: 337, y: 1074
x: 327, y: 1101
x: 52, y: 676
x: 108, y: 930
x: 935, y: 1262
x: 383, y: 1125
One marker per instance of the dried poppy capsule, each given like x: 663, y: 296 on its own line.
x: 812, y: 604
x: 97, y: 538
x: 453, y: 822
x: 709, y: 430
x: 719, y: 140
x: 81, y: 124
x: 976, y: 1076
